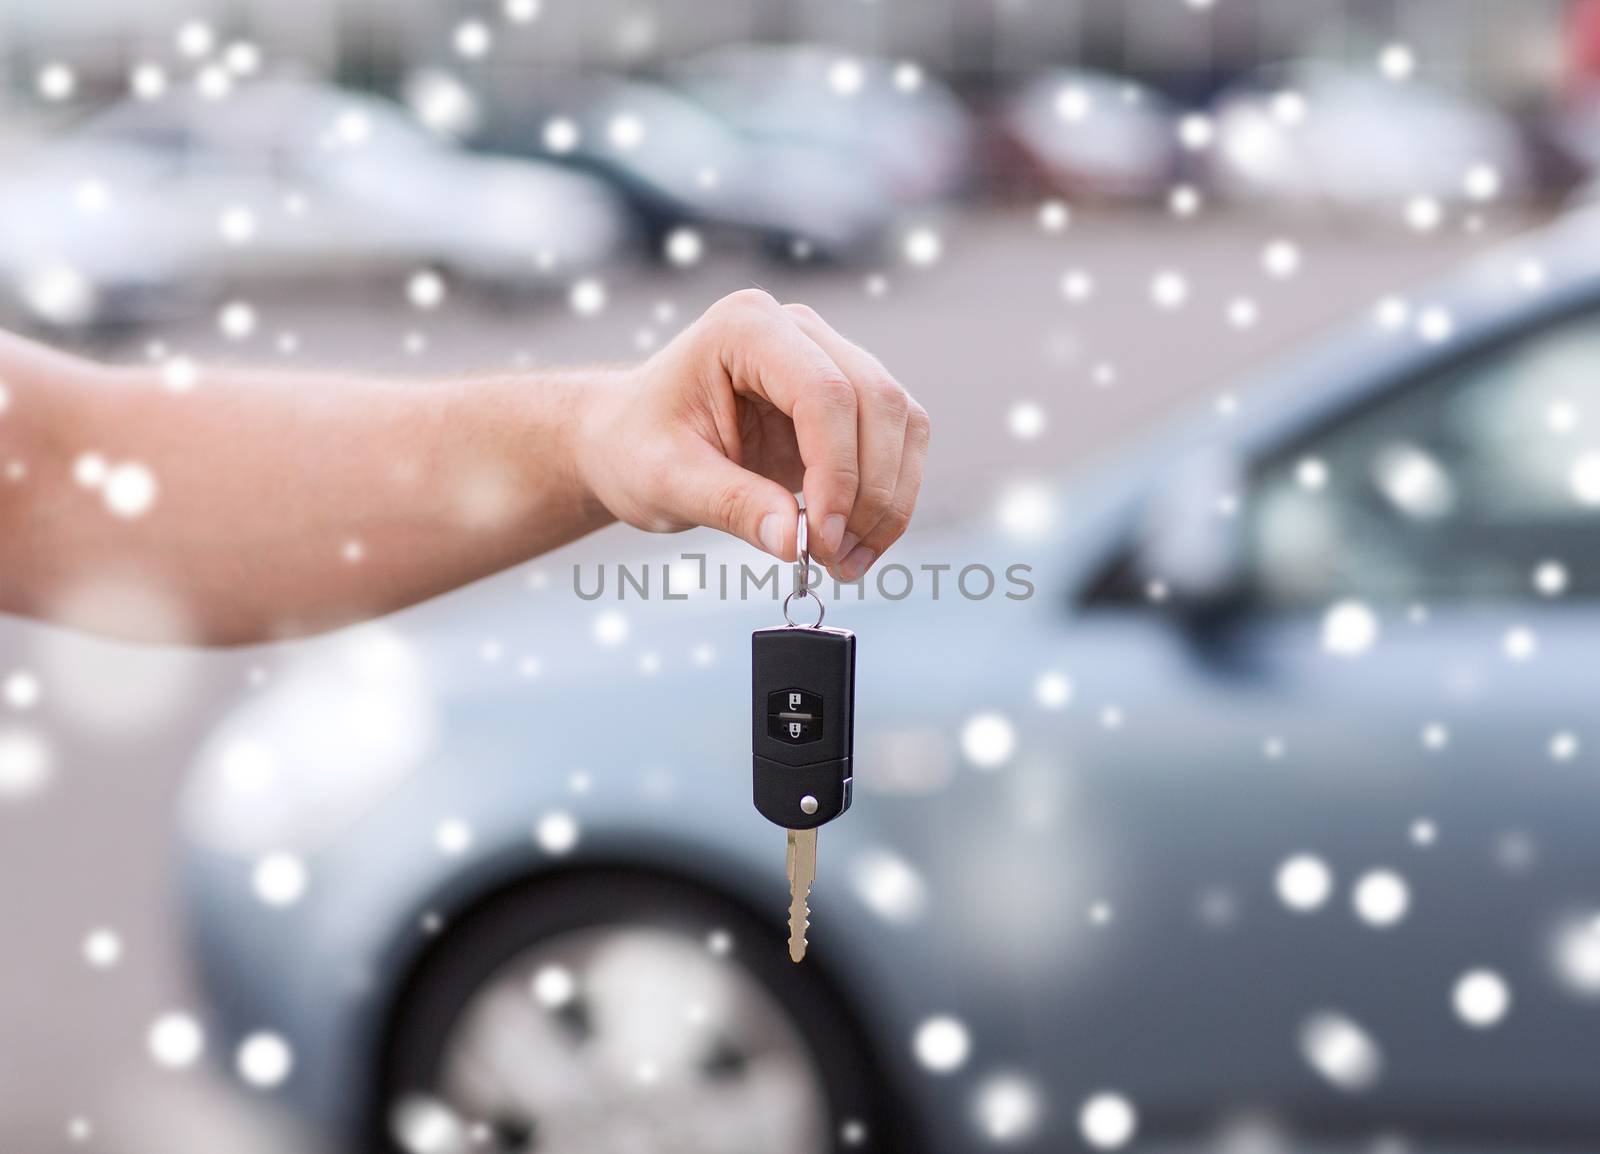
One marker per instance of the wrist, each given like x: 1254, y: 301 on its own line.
x: 594, y: 401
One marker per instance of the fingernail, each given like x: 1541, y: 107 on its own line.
x: 832, y: 531
x: 771, y: 534
x: 857, y: 563
x: 847, y: 544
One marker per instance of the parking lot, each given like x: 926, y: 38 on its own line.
x: 983, y: 329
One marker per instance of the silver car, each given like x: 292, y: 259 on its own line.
x: 1250, y: 798
x: 155, y: 205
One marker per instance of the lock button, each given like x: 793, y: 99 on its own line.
x: 793, y: 731
x: 794, y: 716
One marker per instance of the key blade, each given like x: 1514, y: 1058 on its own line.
x: 802, y: 872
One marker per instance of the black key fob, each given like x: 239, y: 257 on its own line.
x: 803, y: 706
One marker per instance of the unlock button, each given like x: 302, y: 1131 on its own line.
x: 794, y: 716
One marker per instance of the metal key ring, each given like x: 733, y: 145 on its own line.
x: 803, y: 557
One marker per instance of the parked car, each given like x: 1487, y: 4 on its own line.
x: 794, y: 147
x: 678, y: 164
x: 896, y: 119
x: 1317, y: 136
x: 170, y: 200
x: 1269, y: 813
x: 1091, y: 134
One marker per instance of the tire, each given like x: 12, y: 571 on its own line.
x: 784, y: 1032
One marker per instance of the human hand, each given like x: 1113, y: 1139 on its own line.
x: 752, y: 402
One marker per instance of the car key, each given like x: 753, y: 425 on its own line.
x: 804, y: 683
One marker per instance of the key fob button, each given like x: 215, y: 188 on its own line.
x: 794, y: 716
x: 795, y: 701
x: 794, y: 730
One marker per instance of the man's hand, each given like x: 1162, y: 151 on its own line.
x: 752, y: 402
x: 278, y: 504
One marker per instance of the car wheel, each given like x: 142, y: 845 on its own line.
x: 603, y: 1012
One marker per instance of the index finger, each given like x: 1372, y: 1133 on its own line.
x: 772, y: 358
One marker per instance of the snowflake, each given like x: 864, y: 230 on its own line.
x: 1397, y: 62
x: 264, y: 1060
x: 1381, y: 899
x: 941, y: 1044
x: 1481, y: 998
x: 1304, y: 883
x: 988, y: 740
x: 176, y: 1041
x: 1340, y: 1050
x: 1107, y: 1121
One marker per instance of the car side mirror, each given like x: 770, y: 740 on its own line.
x: 1190, y: 541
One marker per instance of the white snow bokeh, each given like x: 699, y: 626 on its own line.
x: 554, y: 986
x: 423, y: 1125
x: 27, y: 763
x: 1481, y: 998
x: 1007, y: 1108
x: 102, y: 948
x: 889, y: 885
x: 941, y: 1044
x: 1107, y: 1121
x: 557, y: 833
x: 452, y: 837
x: 988, y: 740
x: 264, y: 1060
x: 176, y: 1041
x: 1349, y: 629
x: 1574, y: 953
x: 280, y: 879
x: 1304, y: 883
x: 1341, y: 1051
x: 1381, y: 898
x: 1053, y: 689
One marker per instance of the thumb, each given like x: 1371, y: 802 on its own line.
x: 724, y: 496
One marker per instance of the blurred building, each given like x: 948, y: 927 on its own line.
x: 1505, y: 50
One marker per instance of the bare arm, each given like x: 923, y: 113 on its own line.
x: 290, y: 503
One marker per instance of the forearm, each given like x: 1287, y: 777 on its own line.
x: 286, y: 503
x: 246, y: 506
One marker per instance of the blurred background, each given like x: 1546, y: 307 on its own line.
x: 1064, y: 226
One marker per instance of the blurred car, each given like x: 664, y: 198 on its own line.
x: 1316, y: 136
x: 1267, y: 816
x: 173, y: 199
x: 791, y: 146
x: 1089, y: 134
x: 678, y: 164
x: 893, y: 118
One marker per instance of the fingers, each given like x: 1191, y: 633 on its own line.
x: 898, y: 515
x: 882, y: 408
x: 861, y: 438
x: 766, y: 353
x: 892, y: 435
x: 714, y: 491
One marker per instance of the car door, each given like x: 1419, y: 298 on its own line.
x: 1353, y: 804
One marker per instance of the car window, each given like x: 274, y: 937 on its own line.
x: 1464, y: 485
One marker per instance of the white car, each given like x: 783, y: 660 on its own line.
x: 1311, y: 136
x: 180, y: 197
